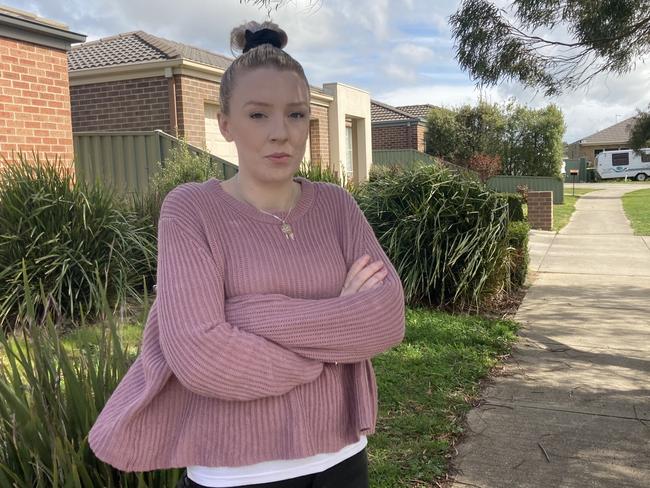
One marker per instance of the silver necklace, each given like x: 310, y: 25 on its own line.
x: 286, y: 227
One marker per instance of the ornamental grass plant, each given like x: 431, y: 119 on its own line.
x: 49, y: 399
x: 443, y: 232
x: 61, y: 230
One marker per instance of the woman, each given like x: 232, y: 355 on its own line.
x: 273, y: 293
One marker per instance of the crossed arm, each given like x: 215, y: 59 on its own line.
x: 255, y: 346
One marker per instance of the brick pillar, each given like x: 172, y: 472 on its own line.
x: 540, y: 210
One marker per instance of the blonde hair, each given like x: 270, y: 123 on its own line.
x: 262, y: 55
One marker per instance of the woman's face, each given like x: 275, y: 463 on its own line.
x: 269, y: 122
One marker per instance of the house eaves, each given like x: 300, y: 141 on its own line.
x: 17, y: 24
x: 616, y: 134
x: 152, y: 56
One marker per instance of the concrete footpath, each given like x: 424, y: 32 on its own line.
x: 572, y: 408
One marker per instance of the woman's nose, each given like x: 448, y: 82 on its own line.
x: 279, y: 130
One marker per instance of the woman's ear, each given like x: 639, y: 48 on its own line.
x: 224, y: 126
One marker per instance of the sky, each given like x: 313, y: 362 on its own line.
x: 400, y: 51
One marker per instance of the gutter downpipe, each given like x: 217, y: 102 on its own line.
x: 173, y: 121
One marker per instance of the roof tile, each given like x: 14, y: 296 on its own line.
x: 420, y: 111
x: 381, y: 112
x: 617, y: 133
x: 137, y: 47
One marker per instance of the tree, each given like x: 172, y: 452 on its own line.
x: 533, y: 141
x: 525, y: 141
x: 456, y: 135
x: 525, y: 43
x: 443, y: 134
x: 640, y: 131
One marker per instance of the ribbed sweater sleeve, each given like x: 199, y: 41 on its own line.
x: 208, y: 355
x: 344, y: 329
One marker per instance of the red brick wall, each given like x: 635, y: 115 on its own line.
x: 191, y: 96
x: 143, y: 104
x: 319, y: 136
x: 34, y: 101
x: 139, y: 104
x: 540, y: 210
x: 398, y: 137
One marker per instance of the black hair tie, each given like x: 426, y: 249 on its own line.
x: 262, y: 36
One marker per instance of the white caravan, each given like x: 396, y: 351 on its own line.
x: 624, y: 163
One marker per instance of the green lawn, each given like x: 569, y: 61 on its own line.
x: 425, y: 387
x: 636, y: 205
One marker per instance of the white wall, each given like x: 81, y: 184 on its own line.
x: 354, y: 104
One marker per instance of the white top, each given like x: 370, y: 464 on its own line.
x: 269, y: 471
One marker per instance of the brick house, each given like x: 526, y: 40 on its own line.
x: 611, y: 138
x: 136, y: 81
x: 34, y: 89
x: 401, y: 127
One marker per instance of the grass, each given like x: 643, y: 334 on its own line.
x: 636, y: 205
x: 425, y: 384
x: 425, y: 387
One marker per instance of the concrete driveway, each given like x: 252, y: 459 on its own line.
x: 572, y: 408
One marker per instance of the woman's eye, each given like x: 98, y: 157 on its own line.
x: 298, y: 115
x: 256, y: 115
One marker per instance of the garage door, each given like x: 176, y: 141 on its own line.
x: 214, y: 141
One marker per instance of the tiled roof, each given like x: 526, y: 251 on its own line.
x: 380, y: 112
x: 137, y: 47
x: 141, y: 47
x: 420, y: 111
x: 619, y: 133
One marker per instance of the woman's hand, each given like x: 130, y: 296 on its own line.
x: 363, y: 275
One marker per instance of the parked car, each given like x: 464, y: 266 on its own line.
x: 624, y: 163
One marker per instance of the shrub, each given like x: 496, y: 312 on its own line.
x: 513, y: 258
x: 485, y: 165
x: 49, y: 399
x: 518, y: 252
x: 181, y: 166
x: 62, y: 231
x: 314, y: 171
x: 443, y: 232
x: 515, y: 206
x: 523, y: 191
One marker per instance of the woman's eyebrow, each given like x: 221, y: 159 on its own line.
x: 265, y: 104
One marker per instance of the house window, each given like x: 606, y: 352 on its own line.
x: 620, y: 159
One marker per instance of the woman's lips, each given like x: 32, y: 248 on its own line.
x: 279, y: 158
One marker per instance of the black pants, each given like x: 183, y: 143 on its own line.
x: 349, y: 473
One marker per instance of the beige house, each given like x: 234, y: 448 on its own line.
x: 138, y: 81
x: 612, y: 138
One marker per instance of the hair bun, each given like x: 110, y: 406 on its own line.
x: 238, y: 38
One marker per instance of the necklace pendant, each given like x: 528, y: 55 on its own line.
x: 288, y: 231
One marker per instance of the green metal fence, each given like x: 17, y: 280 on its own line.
x: 584, y: 175
x: 503, y: 183
x: 405, y: 157
x: 127, y: 160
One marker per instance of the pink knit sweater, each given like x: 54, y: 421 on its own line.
x: 248, y: 353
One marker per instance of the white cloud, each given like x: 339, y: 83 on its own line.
x: 439, y: 94
x: 412, y: 53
